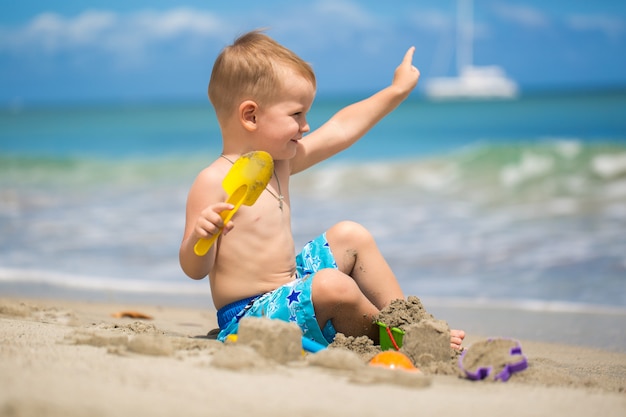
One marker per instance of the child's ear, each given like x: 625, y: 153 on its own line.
x: 247, y: 114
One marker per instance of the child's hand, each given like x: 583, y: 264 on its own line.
x: 406, y: 75
x: 210, y: 221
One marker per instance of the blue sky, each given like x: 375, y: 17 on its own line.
x: 56, y: 51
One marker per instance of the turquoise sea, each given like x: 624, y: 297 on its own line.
x: 519, y: 202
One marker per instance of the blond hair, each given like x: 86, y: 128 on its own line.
x: 251, y: 68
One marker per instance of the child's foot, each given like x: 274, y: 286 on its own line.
x: 456, y: 338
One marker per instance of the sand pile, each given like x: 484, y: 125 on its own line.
x: 401, y: 313
x: 263, y: 344
x: 426, y: 340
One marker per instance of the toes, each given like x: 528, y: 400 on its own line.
x: 457, y: 333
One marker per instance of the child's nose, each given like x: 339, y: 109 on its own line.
x: 305, y: 126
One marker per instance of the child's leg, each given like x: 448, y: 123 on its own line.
x: 336, y: 297
x: 357, y: 255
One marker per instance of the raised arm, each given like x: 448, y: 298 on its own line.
x: 352, y: 122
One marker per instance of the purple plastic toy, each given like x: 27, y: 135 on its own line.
x: 518, y: 363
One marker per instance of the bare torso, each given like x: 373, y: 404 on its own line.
x: 258, y: 255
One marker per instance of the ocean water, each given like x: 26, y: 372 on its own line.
x: 517, y: 202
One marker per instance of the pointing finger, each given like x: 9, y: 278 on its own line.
x: 408, y: 57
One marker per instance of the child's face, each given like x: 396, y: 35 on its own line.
x: 280, y: 125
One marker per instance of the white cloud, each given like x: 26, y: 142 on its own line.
x: 432, y: 21
x: 176, y: 22
x: 129, y: 37
x: 345, y: 11
x: 609, y: 25
x: 53, y: 32
x: 336, y: 23
x: 521, y: 14
x: 109, y: 31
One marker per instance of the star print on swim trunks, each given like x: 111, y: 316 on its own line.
x: 294, y: 296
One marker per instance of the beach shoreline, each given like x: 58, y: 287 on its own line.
x: 71, y: 357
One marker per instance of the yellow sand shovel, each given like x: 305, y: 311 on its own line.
x: 244, y: 183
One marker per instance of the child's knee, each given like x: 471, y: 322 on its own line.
x: 348, y: 231
x: 332, y: 287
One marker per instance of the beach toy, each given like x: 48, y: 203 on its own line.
x: 390, y: 337
x: 244, y: 183
x: 131, y: 314
x: 311, y: 345
x: 502, y: 356
x: 393, y: 360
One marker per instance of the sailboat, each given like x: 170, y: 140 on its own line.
x: 472, y: 82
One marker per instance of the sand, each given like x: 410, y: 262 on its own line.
x: 68, y: 358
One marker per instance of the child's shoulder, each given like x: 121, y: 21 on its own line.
x: 212, y: 169
x: 211, y: 176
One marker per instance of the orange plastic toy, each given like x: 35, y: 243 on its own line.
x: 393, y: 360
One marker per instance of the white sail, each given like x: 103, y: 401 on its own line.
x: 483, y: 82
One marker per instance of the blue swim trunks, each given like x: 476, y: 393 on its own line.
x: 290, y: 302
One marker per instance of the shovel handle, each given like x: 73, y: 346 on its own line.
x: 203, y: 245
